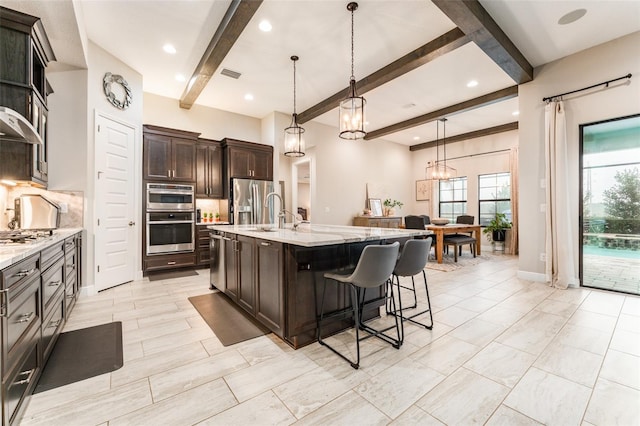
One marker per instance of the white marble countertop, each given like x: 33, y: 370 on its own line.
x: 10, y: 254
x: 311, y: 235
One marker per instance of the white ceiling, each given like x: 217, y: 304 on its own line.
x: 318, y: 31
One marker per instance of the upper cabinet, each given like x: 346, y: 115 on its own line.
x: 25, y: 52
x: 248, y: 160
x: 169, y: 155
x: 208, y: 169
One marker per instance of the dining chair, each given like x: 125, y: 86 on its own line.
x: 373, y: 269
x: 461, y: 239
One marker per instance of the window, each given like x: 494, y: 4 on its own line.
x: 494, y: 196
x: 453, y: 198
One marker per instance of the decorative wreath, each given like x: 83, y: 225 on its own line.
x: 111, y: 97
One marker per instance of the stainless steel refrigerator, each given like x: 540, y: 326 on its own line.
x: 246, y: 202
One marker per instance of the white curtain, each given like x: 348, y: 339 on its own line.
x: 560, y: 230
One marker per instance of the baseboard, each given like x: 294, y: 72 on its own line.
x: 532, y: 276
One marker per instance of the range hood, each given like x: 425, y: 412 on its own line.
x: 14, y: 127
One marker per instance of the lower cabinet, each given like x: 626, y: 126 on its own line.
x: 169, y: 261
x: 246, y: 273
x: 203, y: 255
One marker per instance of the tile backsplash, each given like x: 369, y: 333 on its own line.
x: 73, y: 199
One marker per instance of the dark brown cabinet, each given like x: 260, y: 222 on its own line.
x: 248, y: 160
x: 203, y: 254
x: 25, y: 51
x: 270, y: 285
x: 208, y: 169
x: 169, y: 155
x: 245, y: 249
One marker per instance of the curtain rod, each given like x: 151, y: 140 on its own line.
x: 606, y: 83
x: 482, y: 153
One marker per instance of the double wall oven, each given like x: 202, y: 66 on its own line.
x: 170, y: 218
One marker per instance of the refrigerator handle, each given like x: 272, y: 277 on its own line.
x: 256, y: 203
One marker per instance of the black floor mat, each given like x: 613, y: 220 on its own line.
x: 81, y: 354
x: 229, y: 323
x: 181, y: 273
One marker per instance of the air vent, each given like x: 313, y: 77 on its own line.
x: 229, y: 73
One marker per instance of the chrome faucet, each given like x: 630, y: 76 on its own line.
x: 283, y: 212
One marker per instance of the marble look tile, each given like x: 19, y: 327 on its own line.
x: 47, y: 400
x: 256, y: 379
x: 312, y: 390
x: 348, y: 409
x: 463, y: 398
x: 259, y: 350
x: 188, y: 407
x: 419, y: 336
x: 557, y: 307
x: 496, y: 294
x: 145, y: 312
x: 613, y: 404
x: 445, y: 355
x: 415, y: 416
x: 538, y: 396
x: 188, y: 376
x: 631, y: 306
x: 628, y: 322
x: 156, y: 363
x: 570, y: 363
x: 454, y: 316
x: 626, y: 341
x: 593, y: 320
x: 155, y: 330
x: 477, y: 332
x: 505, y: 416
x: 606, y: 303
x: 443, y: 301
x: 477, y: 304
x: 621, y: 368
x: 264, y: 409
x: 587, y: 339
x: 166, y: 317
x: 96, y: 408
x: 501, y: 363
x: 398, y: 387
x: 502, y: 316
x: 132, y: 351
x: 570, y: 295
x: 533, y: 332
x: 173, y: 340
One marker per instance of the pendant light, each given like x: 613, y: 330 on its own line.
x: 293, y: 140
x: 352, y: 108
x: 439, y: 169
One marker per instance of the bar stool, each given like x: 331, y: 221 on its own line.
x: 373, y: 270
x: 412, y: 261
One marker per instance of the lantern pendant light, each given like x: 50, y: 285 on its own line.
x: 293, y: 140
x: 352, y: 117
x: 439, y: 169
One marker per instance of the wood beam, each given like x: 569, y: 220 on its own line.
x: 470, y: 135
x: 233, y: 23
x: 475, y: 22
x: 434, y: 49
x: 481, y: 101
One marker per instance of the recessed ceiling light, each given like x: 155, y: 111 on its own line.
x: 248, y: 97
x: 265, y: 26
x: 572, y: 16
x: 169, y: 49
x: 416, y: 138
x: 180, y: 77
x: 515, y: 113
x: 472, y: 83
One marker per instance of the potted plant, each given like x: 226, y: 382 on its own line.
x: 389, y: 204
x: 217, y: 216
x: 496, y: 229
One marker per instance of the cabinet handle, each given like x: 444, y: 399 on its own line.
x: 54, y: 283
x: 25, y: 317
x: 265, y: 244
x: 24, y: 272
x: 70, y: 265
x: 4, y: 306
x: 29, y: 375
x: 169, y: 173
x: 171, y: 263
x: 54, y: 324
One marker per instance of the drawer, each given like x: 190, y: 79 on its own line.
x: 70, y: 245
x: 169, y: 262
x: 50, y: 255
x: 24, y: 315
x: 70, y: 264
x: 20, y: 382
x: 52, y: 283
x: 203, y: 234
x: 20, y: 271
x: 52, y: 325
x: 70, y: 294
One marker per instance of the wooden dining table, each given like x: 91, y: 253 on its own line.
x: 453, y: 228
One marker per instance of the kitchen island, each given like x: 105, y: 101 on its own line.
x: 273, y: 274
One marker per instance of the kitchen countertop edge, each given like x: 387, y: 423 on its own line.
x: 13, y: 254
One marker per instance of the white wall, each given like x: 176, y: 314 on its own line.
x: 591, y: 66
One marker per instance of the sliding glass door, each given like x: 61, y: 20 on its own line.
x: 610, y: 208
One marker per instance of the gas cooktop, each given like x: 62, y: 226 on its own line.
x: 23, y: 237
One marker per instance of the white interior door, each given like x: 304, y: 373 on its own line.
x: 115, y: 243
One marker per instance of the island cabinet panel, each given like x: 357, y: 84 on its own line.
x: 231, y: 267
x: 246, y: 248
x: 270, y: 285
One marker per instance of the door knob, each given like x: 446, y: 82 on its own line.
x: 132, y: 223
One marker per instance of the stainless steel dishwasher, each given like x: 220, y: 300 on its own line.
x: 217, y: 276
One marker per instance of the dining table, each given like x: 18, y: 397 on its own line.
x: 453, y: 228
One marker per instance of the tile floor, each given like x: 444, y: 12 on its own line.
x: 503, y: 351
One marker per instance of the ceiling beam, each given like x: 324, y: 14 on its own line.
x: 466, y: 136
x: 475, y: 22
x: 434, y: 49
x: 481, y: 101
x: 233, y: 23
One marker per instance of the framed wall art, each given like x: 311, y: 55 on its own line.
x: 423, y: 190
x: 375, y: 205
